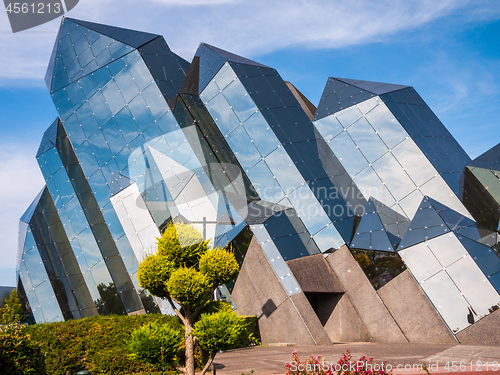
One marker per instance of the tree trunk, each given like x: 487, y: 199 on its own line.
x: 210, y: 361
x: 189, y: 344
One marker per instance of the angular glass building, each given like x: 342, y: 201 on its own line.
x: 336, y: 215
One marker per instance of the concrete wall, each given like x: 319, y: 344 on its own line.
x: 282, y: 319
x: 364, y: 299
x: 484, y: 332
x: 345, y: 325
x: 412, y: 311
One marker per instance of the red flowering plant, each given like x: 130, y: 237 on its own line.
x: 317, y: 365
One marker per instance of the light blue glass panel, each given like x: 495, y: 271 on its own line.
x: 155, y: 100
x: 420, y: 261
x: 414, y: 162
x: 113, y: 96
x: 62, y: 103
x: 364, y: 137
x: 209, y: 92
x: 100, y: 108
x: 74, y: 130
x: 329, y: 127
x: 113, y: 136
x: 225, y: 76
x: 264, y: 183
x: 348, y: 154
x: 327, y: 238
x: 34, y: 266
x: 127, y: 85
x: 88, y: 85
x: 76, y: 95
x: 239, y: 100
x: 348, y: 116
x: 100, y: 148
x: 475, y: 286
x: 87, y: 119
x: 140, y: 72
x: 309, y: 209
x: 242, y: 146
x: 290, y: 284
x: 112, y: 221
x: 100, y: 188
x: 48, y: 301
x: 35, y: 307
x: 183, y: 153
x: 222, y: 114
x: 53, y: 160
x: 76, y: 216
x: 80, y: 258
x: 393, y: 175
x: 63, y: 184
x: 447, y: 249
x: 389, y: 129
x: 86, y: 158
x: 447, y: 299
x: 141, y: 113
x: 91, y: 285
x: 23, y: 274
x: 68, y: 228
x: 283, y: 168
x: 262, y: 135
x: 89, y: 247
x: 116, y: 66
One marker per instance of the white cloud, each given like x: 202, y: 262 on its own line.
x: 248, y: 28
x: 21, y: 182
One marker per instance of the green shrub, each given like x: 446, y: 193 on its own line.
x: 98, y: 344
x: 156, y: 343
x: 19, y: 355
x: 223, y: 330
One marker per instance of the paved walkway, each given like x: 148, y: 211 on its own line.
x: 439, y: 358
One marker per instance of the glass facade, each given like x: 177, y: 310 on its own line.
x: 144, y: 138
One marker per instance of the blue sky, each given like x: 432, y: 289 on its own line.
x: 449, y: 51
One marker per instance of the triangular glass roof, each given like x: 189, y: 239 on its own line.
x: 133, y: 38
x: 489, y: 160
x: 377, y: 88
x: 211, y: 59
x: 28, y: 214
x: 49, y: 138
x: 83, y: 47
x: 342, y: 93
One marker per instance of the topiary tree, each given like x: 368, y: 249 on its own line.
x: 185, y: 271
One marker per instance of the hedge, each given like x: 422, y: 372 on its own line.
x: 99, y: 344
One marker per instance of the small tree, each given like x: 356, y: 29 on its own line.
x: 184, y: 270
x: 12, y: 311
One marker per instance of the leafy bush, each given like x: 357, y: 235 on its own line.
x: 98, y: 344
x: 19, y: 355
x: 156, y: 343
x: 316, y: 365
